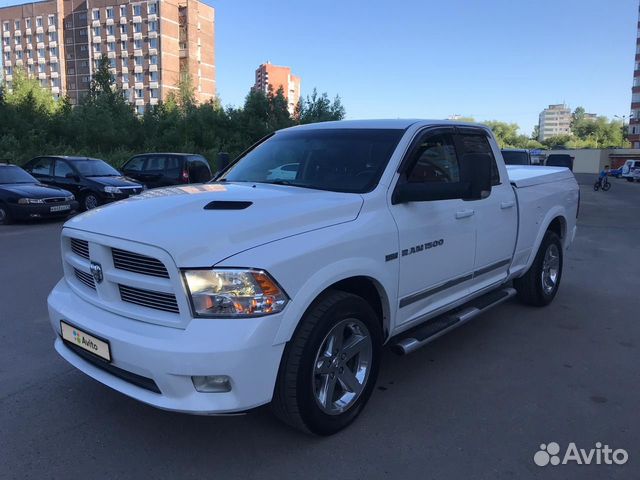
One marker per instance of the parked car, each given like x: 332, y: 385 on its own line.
x: 516, y: 156
x: 165, y: 169
x: 23, y: 197
x: 252, y: 290
x: 628, y: 168
x: 560, y: 160
x: 93, y: 181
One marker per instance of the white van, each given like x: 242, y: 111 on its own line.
x: 628, y: 169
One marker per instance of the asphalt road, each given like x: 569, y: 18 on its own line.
x: 476, y: 403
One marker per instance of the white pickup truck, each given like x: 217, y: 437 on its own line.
x: 259, y: 288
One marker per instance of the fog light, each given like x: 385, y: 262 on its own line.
x: 212, y: 383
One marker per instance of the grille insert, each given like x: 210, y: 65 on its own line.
x: 149, y: 299
x: 80, y: 248
x: 85, y: 278
x: 134, y: 262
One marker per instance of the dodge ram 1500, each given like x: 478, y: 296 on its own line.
x: 281, y: 280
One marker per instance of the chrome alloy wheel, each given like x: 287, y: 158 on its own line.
x: 90, y: 202
x: 550, y: 268
x: 342, y: 365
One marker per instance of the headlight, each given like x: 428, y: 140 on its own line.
x: 233, y: 293
x: 109, y: 189
x: 70, y: 198
x: 27, y: 201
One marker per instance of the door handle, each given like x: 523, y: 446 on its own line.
x: 509, y: 204
x: 464, y: 213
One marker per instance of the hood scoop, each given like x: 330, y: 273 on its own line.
x: 227, y: 205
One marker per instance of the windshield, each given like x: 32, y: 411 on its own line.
x: 339, y: 160
x: 515, y: 158
x: 15, y: 175
x: 95, y: 168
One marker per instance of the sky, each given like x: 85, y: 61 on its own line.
x: 488, y: 59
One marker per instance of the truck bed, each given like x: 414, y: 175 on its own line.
x: 526, y: 176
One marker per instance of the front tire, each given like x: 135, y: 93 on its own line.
x: 606, y: 187
x: 538, y: 287
x: 90, y: 201
x: 330, y: 366
x: 5, y: 216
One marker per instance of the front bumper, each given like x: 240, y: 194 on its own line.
x: 23, y: 212
x: 242, y: 349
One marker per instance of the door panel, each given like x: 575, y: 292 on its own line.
x: 437, y: 238
x: 60, y: 170
x: 41, y: 168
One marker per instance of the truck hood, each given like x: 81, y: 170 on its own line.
x: 243, y: 216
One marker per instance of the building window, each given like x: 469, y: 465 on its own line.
x: 153, y: 76
x: 139, y: 93
x: 154, y: 93
x: 17, y: 25
x: 123, y: 45
x: 95, y: 14
x: 5, y: 26
x: 123, y: 28
x: 53, y: 37
x: 5, y: 41
x: 85, y: 79
x: 152, y: 8
x: 30, y: 69
x: 136, y: 10
x: 52, y: 20
x: 17, y: 40
x: 153, y: 26
x: 38, y: 21
x: 123, y: 10
x: 53, y: 52
x: 140, y: 109
x: 41, y: 68
x: 112, y: 63
x: 96, y: 48
x: 9, y: 70
x: 125, y: 79
x: 111, y: 47
x: 83, y: 48
x: 110, y: 30
x: 137, y: 28
x: 7, y: 56
x: 153, y: 60
x: 96, y: 31
x: 41, y: 53
x: 139, y: 78
x: 28, y: 39
x: 84, y: 64
x: 138, y: 61
x: 137, y: 44
x: 153, y: 43
x: 109, y: 12
x: 27, y: 23
x: 53, y: 67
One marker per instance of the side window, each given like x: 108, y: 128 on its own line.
x: 435, y: 160
x: 41, y: 166
x: 135, y: 164
x: 480, y: 144
x: 61, y: 169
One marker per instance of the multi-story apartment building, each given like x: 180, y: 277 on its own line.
x: 634, y: 119
x: 149, y: 44
x: 555, y: 120
x: 276, y: 77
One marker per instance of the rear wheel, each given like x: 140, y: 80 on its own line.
x: 629, y: 179
x: 330, y: 366
x: 5, y: 216
x: 596, y: 186
x: 606, y: 186
x: 538, y: 287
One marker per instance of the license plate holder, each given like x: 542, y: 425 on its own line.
x: 90, y: 343
x: 60, y: 208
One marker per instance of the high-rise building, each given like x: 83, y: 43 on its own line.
x: 275, y: 76
x: 150, y: 46
x: 634, y: 119
x: 555, y: 120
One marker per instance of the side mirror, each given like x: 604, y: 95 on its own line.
x: 476, y: 170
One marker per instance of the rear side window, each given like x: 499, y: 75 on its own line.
x: 62, y: 169
x: 479, y: 143
x: 435, y: 161
x: 163, y: 163
x: 41, y: 166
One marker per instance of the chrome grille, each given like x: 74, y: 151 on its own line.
x: 54, y: 200
x: 134, y: 262
x: 85, y: 278
x: 147, y: 298
x: 80, y: 248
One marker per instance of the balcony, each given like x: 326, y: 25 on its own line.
x: 137, y: 69
x: 153, y: 68
x: 183, y: 53
x: 97, y: 55
x: 29, y: 46
x: 39, y: 30
x: 124, y: 53
x: 140, y: 101
x: 53, y: 59
x: 123, y: 20
x: 137, y: 36
x: 29, y: 61
x: 153, y: 51
x: 109, y: 21
x: 6, y: 34
x: 42, y: 75
x: 8, y: 78
x: 153, y: 84
x: 52, y: 28
x: 152, y: 34
x: 19, y: 62
x: 40, y: 45
x: 137, y: 53
x: 153, y: 101
x: 53, y: 44
x: 113, y: 70
x: 111, y: 54
x: 41, y: 60
x: 7, y: 63
x: 125, y: 69
x: 152, y: 17
x: 97, y: 39
x: 95, y: 23
x: 55, y: 74
x: 55, y: 90
x: 137, y: 19
x: 138, y: 85
x: 124, y: 37
x: 18, y: 48
x: 27, y: 31
x: 7, y: 48
x: 111, y: 38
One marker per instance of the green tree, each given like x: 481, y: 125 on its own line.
x: 318, y: 108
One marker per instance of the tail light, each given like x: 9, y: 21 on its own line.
x: 185, y: 176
